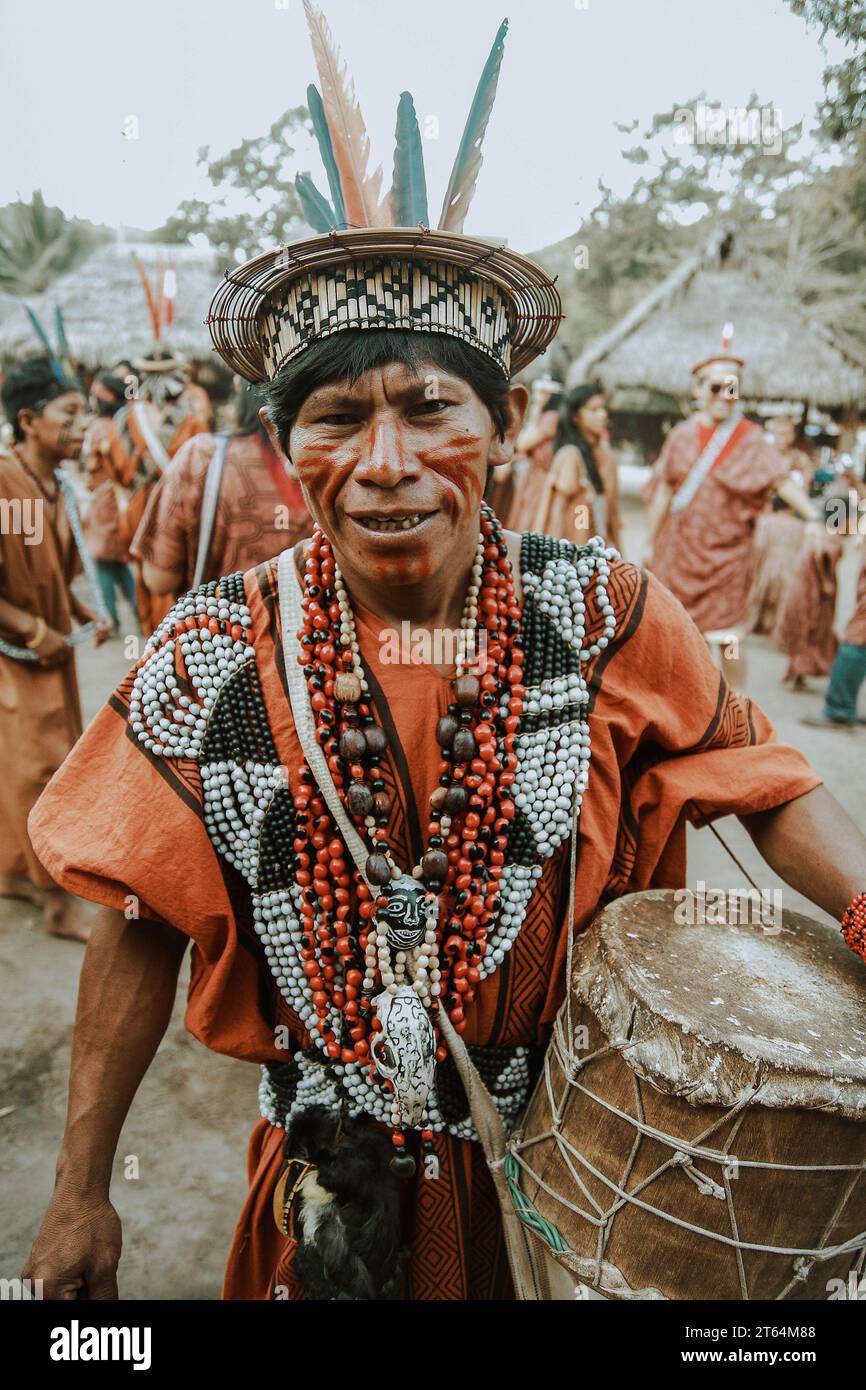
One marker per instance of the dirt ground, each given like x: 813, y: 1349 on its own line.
x: 189, y: 1124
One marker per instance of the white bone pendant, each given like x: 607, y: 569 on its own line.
x: 404, y: 1051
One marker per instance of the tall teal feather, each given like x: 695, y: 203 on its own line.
x: 464, y: 175
x: 60, y: 331
x: 56, y: 365
x: 326, y: 149
x: 409, y: 187
x: 316, y: 208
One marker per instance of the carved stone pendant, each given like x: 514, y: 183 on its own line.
x: 405, y: 1051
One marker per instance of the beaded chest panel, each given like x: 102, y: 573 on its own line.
x: 217, y: 717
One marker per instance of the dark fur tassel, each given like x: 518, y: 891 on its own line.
x: 349, y: 1242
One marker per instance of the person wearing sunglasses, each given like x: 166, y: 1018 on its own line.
x: 714, y: 477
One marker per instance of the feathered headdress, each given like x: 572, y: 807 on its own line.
x: 159, y: 296
x: 724, y: 356
x: 377, y: 264
x: 63, y: 364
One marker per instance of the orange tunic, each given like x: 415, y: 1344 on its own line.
x: 670, y: 741
x: 260, y: 510
x: 704, y: 554
x: 40, y: 714
x: 527, y: 497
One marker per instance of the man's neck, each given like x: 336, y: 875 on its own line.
x: 436, y: 603
x: 36, y: 459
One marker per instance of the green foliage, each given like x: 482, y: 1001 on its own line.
x: 255, y: 200
x: 844, y: 108
x: 788, y: 208
x: 38, y: 243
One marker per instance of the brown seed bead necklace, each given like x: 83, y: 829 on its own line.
x: 470, y: 813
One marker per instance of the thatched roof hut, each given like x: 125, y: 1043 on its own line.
x: 789, y: 357
x: 104, y: 306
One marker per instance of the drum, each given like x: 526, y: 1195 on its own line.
x: 697, y: 1132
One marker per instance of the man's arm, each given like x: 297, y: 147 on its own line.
x: 159, y: 580
x: 125, y: 998
x: 51, y: 651
x: 657, y: 512
x: 814, y: 846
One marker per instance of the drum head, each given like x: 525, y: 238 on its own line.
x: 708, y: 1010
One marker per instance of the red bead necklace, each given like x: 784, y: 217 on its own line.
x: 469, y: 817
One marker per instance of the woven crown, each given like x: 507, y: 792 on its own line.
x: 376, y: 264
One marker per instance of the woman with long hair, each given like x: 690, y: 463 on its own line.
x: 581, y: 498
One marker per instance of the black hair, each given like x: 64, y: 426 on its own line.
x: 106, y: 409
x: 348, y: 354
x: 570, y: 433
x: 249, y: 402
x: 30, y: 386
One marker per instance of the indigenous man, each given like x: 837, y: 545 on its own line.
x: 848, y: 672
x: 372, y: 859
x: 713, y: 479
x: 223, y: 504
x: 102, y: 519
x: 146, y: 433
x: 40, y: 714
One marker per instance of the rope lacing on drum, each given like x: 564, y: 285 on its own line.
x: 682, y: 1156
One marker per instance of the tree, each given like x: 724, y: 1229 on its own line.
x: 254, y: 199
x: 844, y: 108
x: 38, y: 243
x: 700, y: 166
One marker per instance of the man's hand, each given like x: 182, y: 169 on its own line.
x: 104, y: 630
x: 77, y: 1249
x: 53, y: 650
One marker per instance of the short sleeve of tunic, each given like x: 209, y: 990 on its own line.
x: 683, y: 743
x: 170, y: 519
x: 124, y: 821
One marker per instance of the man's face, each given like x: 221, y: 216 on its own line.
x: 58, y: 429
x: 393, y: 467
x: 717, y: 390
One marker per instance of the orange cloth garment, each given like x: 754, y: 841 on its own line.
x: 855, y: 629
x: 704, y: 554
x: 804, y: 629
x: 670, y: 741
x: 40, y: 713
x: 260, y: 511
x: 529, y: 491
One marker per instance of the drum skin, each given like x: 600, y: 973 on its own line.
x: 744, y: 1041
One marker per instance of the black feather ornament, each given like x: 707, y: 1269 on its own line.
x: 347, y: 1209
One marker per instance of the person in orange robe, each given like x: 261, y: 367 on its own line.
x: 710, y: 484
x: 536, y: 444
x: 40, y: 711
x: 670, y: 743
x: 848, y: 672
x: 778, y: 535
x: 580, y: 497
x: 260, y: 508
x: 146, y: 434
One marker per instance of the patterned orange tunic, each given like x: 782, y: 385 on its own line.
x: 260, y: 510
x: 704, y: 553
x: 670, y: 741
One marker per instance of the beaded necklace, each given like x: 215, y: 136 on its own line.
x: 399, y: 947
x: 197, y: 695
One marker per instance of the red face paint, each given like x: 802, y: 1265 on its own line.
x: 396, y: 459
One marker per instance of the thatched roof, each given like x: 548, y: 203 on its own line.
x: 788, y: 356
x: 104, y: 306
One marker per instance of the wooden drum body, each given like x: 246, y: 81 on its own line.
x: 703, y: 1137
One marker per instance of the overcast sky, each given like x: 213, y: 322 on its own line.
x: 210, y: 72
